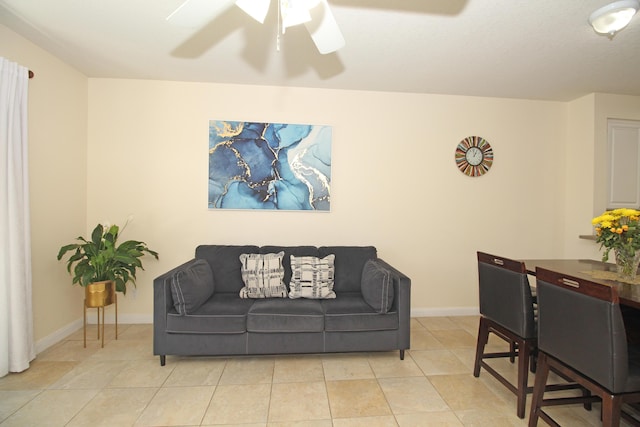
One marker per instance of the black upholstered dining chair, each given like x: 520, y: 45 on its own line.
x: 581, y: 335
x: 507, y: 311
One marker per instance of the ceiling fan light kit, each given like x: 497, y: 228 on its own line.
x: 315, y: 14
x: 296, y: 12
x: 613, y: 17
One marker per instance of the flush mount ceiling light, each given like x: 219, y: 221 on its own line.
x: 613, y: 17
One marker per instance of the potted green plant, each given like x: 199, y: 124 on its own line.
x: 103, y: 260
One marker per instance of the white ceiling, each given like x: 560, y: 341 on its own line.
x: 536, y: 49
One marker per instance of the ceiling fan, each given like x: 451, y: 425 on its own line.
x: 314, y: 14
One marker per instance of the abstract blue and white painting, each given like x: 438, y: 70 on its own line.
x: 269, y: 166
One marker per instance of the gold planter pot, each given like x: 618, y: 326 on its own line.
x: 99, y: 295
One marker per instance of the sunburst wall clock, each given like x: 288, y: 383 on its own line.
x: 474, y: 156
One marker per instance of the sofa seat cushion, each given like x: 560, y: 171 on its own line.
x: 350, y: 312
x: 223, y: 313
x: 285, y: 315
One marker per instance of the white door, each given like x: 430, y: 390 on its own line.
x: 624, y: 164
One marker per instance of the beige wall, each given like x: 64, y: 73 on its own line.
x: 395, y: 184
x: 57, y: 172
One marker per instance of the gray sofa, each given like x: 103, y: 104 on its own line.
x: 198, y: 309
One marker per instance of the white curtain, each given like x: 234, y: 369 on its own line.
x: 16, y: 318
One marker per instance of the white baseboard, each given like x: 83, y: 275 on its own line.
x: 125, y: 319
x: 445, y: 311
x: 58, y: 336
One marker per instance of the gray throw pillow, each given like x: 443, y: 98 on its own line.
x: 191, y: 287
x: 377, y: 286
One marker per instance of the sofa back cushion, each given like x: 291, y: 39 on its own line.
x: 191, y: 287
x: 288, y: 251
x: 349, y: 263
x: 224, y: 261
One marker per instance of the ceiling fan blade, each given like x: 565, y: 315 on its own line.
x: 257, y: 9
x: 196, y: 13
x: 324, y: 29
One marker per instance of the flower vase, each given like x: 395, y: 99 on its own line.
x: 627, y: 264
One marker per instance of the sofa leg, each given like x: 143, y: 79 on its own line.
x: 163, y: 359
x: 401, y: 354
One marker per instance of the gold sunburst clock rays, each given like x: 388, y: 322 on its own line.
x: 474, y: 156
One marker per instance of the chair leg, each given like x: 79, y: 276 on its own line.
x: 611, y: 408
x: 512, y: 349
x: 587, y: 404
x: 542, y: 373
x: 524, y: 353
x: 483, y: 337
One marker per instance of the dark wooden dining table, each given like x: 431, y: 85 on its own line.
x: 585, y: 269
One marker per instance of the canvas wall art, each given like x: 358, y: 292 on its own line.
x: 272, y: 166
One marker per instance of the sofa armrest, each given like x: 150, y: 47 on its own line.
x: 163, y: 304
x: 401, y: 303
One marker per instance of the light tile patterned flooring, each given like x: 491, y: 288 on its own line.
x: 123, y: 384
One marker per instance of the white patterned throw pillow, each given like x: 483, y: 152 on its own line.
x: 312, y: 277
x: 263, y: 276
